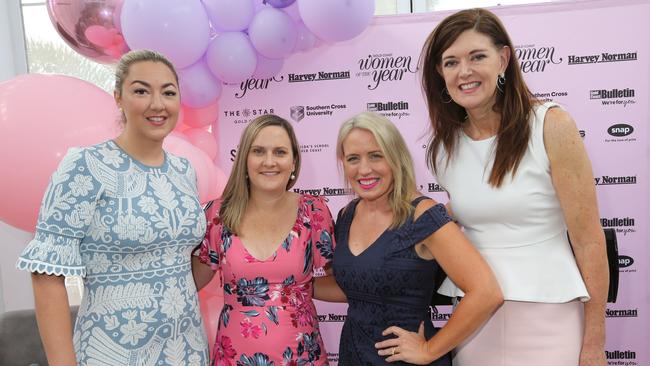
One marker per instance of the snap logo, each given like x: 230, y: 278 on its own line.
x: 625, y: 261
x: 620, y: 130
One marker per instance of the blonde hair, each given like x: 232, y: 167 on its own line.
x: 397, y: 155
x: 237, y: 191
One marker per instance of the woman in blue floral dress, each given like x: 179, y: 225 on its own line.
x: 267, y: 242
x: 124, y: 215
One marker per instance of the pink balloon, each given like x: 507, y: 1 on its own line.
x: 336, y: 20
x: 206, y: 174
x: 181, y: 135
x: 203, y: 140
x: 273, y: 33
x: 41, y: 117
x: 90, y: 27
x: 200, y: 117
x: 221, y: 180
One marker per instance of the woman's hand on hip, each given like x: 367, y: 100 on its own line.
x: 407, y: 346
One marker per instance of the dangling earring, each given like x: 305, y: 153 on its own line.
x: 292, y: 176
x: 501, y: 81
x: 442, y: 96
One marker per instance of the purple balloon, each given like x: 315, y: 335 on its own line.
x: 230, y: 15
x: 260, y: 4
x: 90, y: 27
x: 336, y: 20
x: 178, y: 29
x: 199, y: 87
x: 279, y: 3
x: 293, y: 11
x: 273, y: 33
x: 267, y: 67
x: 231, y: 57
x: 306, y: 39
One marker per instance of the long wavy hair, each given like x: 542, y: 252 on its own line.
x: 514, y: 103
x: 397, y: 156
x: 237, y: 191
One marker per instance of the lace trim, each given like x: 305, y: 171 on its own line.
x: 48, y: 268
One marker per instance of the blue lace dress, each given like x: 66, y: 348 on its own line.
x: 129, y: 230
x: 387, y: 284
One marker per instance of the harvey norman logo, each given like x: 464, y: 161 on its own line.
x: 621, y: 313
x: 437, y: 315
x: 608, y: 180
x: 435, y: 187
x: 600, y: 58
x: 325, y: 191
x: 318, y: 76
x: 331, y: 317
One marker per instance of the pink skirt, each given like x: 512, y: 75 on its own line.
x: 526, y: 333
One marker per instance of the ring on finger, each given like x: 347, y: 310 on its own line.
x: 393, y: 351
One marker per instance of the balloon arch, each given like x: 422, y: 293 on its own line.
x: 211, y: 42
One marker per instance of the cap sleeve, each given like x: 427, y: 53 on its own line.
x: 216, y: 236
x: 429, y: 222
x: 66, y: 212
x: 322, y: 232
x: 426, y: 224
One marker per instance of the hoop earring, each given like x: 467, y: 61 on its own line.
x: 442, y: 96
x: 501, y: 81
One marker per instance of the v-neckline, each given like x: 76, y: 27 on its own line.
x: 354, y: 210
x: 286, y: 237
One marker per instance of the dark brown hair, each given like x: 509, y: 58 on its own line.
x: 514, y: 104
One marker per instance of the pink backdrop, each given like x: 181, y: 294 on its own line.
x: 589, y: 56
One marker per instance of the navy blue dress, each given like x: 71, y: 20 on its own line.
x: 387, y: 284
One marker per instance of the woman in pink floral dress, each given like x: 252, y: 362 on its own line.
x: 266, y: 242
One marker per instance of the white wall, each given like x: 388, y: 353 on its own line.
x: 12, y: 41
x: 15, y: 287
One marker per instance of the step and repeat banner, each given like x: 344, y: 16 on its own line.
x: 592, y: 57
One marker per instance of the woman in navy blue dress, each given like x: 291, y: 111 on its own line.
x: 392, y: 241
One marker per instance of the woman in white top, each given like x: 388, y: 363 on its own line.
x: 518, y: 178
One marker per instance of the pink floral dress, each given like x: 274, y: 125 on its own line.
x: 268, y: 317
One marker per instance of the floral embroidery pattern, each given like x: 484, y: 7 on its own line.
x: 129, y: 230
